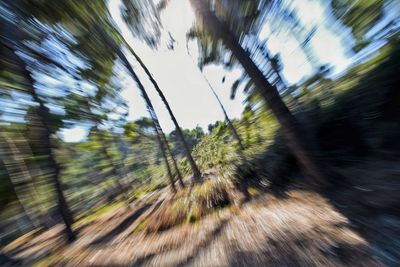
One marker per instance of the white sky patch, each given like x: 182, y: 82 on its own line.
x: 310, y: 12
x: 329, y: 49
x: 326, y: 45
x: 75, y: 134
x: 295, y: 63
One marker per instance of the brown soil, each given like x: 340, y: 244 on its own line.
x: 296, y: 229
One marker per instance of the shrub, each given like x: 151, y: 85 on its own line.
x: 188, y: 206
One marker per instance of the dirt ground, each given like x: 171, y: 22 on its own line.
x: 298, y: 228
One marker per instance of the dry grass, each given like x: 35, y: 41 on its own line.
x: 188, y: 206
x: 298, y: 228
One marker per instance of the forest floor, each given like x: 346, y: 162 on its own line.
x: 292, y: 228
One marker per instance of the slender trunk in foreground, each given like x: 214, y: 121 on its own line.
x: 289, y: 124
x: 178, y: 173
x: 181, y: 138
x: 227, y: 119
x: 156, y: 125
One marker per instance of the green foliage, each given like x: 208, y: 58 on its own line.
x: 143, y: 20
x: 338, y: 115
x: 242, y: 17
x: 217, y: 149
x: 359, y: 15
x: 57, y: 71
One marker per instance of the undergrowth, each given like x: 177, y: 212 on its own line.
x: 188, y: 206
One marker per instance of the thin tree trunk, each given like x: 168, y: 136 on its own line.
x: 121, y: 162
x: 178, y: 173
x: 157, y: 128
x: 181, y: 138
x: 159, y: 134
x: 290, y: 127
x: 227, y: 119
x: 45, y: 220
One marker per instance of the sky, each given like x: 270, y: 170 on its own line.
x: 181, y: 81
x: 177, y: 75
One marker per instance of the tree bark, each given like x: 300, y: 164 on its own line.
x: 181, y: 138
x: 178, y: 173
x: 289, y: 124
x: 228, y: 120
x: 156, y: 125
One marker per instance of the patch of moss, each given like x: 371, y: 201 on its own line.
x: 106, y: 208
x: 141, y: 226
x: 253, y: 191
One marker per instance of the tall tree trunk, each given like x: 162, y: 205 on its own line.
x: 43, y: 116
x: 178, y: 173
x: 20, y: 179
x: 290, y: 127
x: 227, y: 119
x: 181, y: 138
x: 160, y: 139
x: 156, y: 125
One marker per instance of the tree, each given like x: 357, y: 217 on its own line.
x: 157, y: 128
x: 142, y: 18
x: 77, y: 17
x: 195, y: 169
x: 149, y: 30
x: 98, y: 110
x: 290, y: 127
x: 39, y: 120
x: 91, y: 24
x: 359, y: 15
x: 116, y: 168
x: 228, y: 120
x: 145, y: 150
